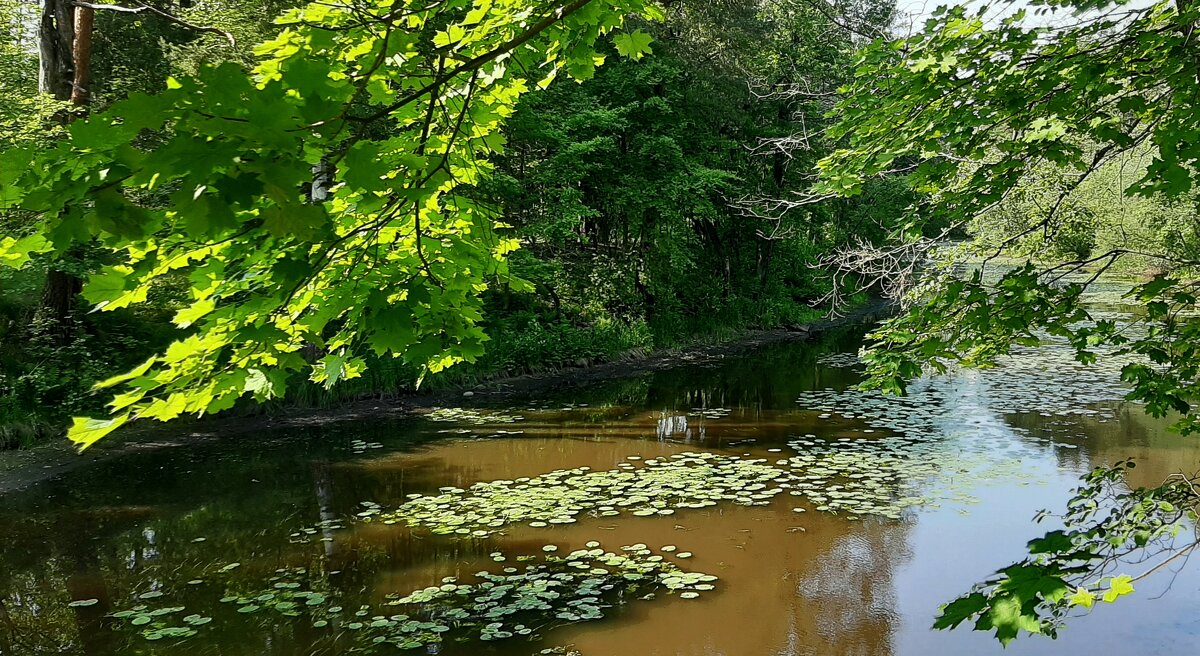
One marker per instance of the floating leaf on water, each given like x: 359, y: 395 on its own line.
x: 197, y: 620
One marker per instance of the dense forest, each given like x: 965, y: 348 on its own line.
x: 237, y: 209
x: 706, y: 118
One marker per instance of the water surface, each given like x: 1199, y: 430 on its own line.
x: 994, y: 448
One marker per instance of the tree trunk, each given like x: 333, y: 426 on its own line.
x: 57, y: 312
x: 56, y: 41
x: 81, y: 88
x: 65, y: 54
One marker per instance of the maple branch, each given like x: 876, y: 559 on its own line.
x: 478, y: 61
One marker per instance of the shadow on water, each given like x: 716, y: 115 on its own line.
x: 793, y: 583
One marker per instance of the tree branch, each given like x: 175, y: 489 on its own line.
x: 478, y: 61
x: 162, y: 14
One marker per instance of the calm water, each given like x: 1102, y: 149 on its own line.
x: 790, y: 583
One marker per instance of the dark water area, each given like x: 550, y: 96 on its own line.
x: 188, y: 526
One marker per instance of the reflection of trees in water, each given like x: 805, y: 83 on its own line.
x: 739, y: 380
x: 827, y: 591
x: 1131, y: 433
x: 87, y: 581
x: 79, y: 548
x: 115, y: 553
x: 34, y: 616
x: 744, y: 382
x: 851, y: 592
x: 29, y: 623
x: 676, y: 426
x: 853, y: 580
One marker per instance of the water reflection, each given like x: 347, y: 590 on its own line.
x: 790, y: 583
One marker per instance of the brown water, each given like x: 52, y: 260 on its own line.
x: 790, y: 583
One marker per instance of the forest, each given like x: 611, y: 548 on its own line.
x: 705, y: 118
x: 445, y: 284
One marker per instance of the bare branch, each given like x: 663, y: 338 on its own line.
x: 143, y: 7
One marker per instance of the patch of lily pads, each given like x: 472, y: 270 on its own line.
x: 469, y: 416
x: 163, y: 622
x: 1044, y: 379
x: 523, y: 600
x: 711, y: 413
x: 469, y: 421
x: 361, y: 446
x: 643, y: 488
x: 928, y: 448
x: 948, y: 434
x: 881, y: 478
x: 887, y: 476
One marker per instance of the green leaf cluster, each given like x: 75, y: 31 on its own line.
x: 399, y: 104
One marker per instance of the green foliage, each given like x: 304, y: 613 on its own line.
x: 249, y: 23
x: 44, y: 380
x: 1069, y: 140
x: 1094, y: 216
x: 634, y: 45
x: 524, y: 342
x: 1106, y: 526
x: 304, y: 301
x: 626, y: 191
x: 972, y: 321
x: 1016, y: 120
x: 403, y: 103
x: 1035, y: 96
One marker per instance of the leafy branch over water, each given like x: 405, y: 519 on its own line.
x: 1107, y: 528
x: 398, y: 104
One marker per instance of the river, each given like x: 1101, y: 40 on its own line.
x: 842, y: 522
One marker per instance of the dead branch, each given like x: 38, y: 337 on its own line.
x: 142, y: 7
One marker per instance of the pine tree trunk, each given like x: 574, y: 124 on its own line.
x: 81, y: 55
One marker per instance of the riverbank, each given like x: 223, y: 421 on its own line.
x: 24, y: 468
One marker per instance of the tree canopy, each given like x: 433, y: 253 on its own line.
x: 967, y: 112
x: 380, y: 112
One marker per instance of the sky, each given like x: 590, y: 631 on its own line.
x: 919, y: 10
